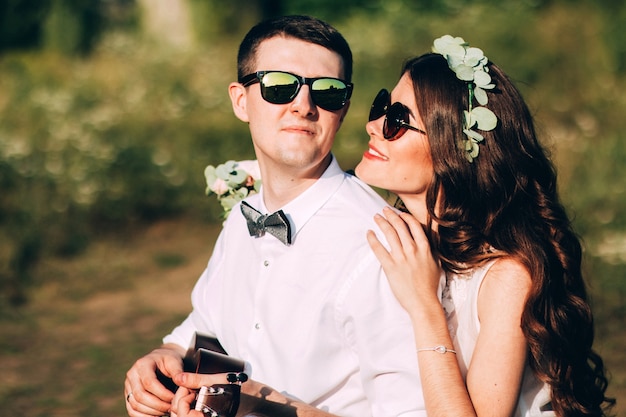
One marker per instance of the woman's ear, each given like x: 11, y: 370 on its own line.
x: 238, y: 98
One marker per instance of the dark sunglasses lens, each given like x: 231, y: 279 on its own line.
x: 329, y: 93
x: 380, y: 105
x: 279, y: 87
x: 397, y: 116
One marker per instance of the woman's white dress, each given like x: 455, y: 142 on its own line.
x: 460, y: 302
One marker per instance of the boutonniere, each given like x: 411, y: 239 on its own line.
x: 232, y: 181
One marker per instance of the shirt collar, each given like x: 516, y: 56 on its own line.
x: 302, y: 208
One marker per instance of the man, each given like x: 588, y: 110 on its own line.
x: 314, y: 316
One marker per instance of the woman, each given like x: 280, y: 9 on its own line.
x: 459, y: 149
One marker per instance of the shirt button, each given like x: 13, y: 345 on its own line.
x: 257, y: 326
x: 266, y: 263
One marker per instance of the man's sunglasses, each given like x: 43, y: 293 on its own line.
x: 397, y: 120
x: 279, y: 87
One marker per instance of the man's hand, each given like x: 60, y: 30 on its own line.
x: 181, y: 404
x: 256, y: 398
x: 145, y: 395
x: 190, y: 383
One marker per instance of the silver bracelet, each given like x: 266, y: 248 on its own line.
x: 439, y: 349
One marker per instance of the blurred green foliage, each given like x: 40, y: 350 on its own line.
x: 106, y: 125
x: 104, y: 128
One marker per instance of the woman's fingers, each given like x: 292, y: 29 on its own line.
x: 379, y: 250
x: 408, y: 262
x: 404, y: 234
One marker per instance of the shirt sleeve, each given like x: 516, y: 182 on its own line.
x: 199, y: 319
x: 381, y: 334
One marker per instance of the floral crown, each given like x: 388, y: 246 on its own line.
x: 470, y: 65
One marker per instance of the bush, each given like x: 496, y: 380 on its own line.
x: 121, y: 137
x: 90, y: 146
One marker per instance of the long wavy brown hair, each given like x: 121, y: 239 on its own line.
x: 507, y: 199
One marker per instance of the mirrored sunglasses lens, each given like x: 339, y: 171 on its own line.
x: 329, y: 93
x: 279, y: 87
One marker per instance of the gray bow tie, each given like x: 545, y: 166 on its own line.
x: 275, y: 224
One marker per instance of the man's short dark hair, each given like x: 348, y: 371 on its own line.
x: 306, y: 28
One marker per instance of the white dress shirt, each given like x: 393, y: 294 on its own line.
x: 315, y: 320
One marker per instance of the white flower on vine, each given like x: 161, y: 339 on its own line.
x: 470, y: 65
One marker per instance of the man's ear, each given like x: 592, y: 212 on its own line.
x: 238, y: 98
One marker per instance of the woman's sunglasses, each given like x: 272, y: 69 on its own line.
x: 279, y: 87
x: 397, y: 120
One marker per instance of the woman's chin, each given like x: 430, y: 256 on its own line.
x: 362, y: 172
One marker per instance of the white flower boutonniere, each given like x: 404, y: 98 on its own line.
x: 232, y: 181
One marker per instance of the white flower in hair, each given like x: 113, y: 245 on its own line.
x: 470, y: 65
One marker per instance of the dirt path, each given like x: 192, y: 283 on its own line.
x: 66, y: 352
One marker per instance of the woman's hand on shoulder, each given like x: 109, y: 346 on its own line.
x: 411, y: 269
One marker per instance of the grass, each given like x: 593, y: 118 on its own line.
x: 66, y: 352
